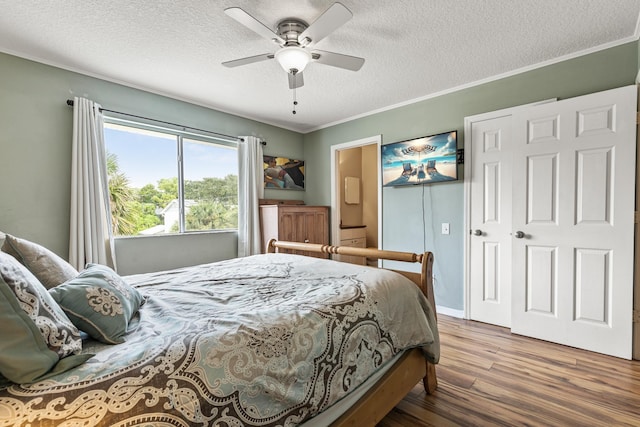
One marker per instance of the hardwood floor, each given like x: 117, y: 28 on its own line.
x: 487, y: 377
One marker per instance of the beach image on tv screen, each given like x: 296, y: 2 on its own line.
x: 423, y: 160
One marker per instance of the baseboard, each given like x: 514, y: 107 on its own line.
x: 450, y: 311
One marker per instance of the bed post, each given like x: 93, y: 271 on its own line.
x: 270, y: 246
x: 430, y: 381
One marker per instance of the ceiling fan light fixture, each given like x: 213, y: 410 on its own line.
x: 293, y: 58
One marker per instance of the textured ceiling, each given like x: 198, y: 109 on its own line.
x: 413, y: 48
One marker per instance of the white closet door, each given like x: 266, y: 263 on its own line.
x: 490, y: 221
x: 573, y: 221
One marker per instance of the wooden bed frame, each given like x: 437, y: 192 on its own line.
x: 400, y: 379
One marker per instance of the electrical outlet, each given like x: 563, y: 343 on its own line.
x: 445, y: 228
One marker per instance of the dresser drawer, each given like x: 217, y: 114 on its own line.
x: 353, y: 233
x: 360, y: 242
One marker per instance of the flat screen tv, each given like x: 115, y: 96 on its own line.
x: 424, y: 160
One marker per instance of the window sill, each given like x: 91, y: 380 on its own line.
x: 177, y: 235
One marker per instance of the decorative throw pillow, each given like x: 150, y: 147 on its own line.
x: 60, y: 335
x: 99, y: 302
x: 49, y: 268
x: 24, y: 354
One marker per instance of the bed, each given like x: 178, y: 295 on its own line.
x: 277, y: 339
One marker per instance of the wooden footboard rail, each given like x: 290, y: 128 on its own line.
x: 344, y: 250
x: 424, y: 280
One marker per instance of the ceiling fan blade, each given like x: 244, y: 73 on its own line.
x: 328, y: 22
x: 295, y: 80
x: 253, y: 24
x: 248, y: 60
x: 339, y: 60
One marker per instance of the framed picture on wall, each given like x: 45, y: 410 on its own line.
x: 283, y: 173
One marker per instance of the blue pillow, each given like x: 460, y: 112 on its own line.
x: 37, y: 339
x: 99, y: 302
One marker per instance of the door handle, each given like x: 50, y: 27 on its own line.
x: 477, y: 232
x: 519, y: 235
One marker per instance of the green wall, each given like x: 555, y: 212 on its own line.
x: 35, y: 157
x: 405, y: 210
x: 35, y: 153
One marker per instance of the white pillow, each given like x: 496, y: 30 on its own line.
x: 49, y: 268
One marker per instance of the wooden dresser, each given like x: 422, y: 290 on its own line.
x: 295, y: 223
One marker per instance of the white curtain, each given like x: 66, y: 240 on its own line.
x: 90, y: 238
x: 250, y: 189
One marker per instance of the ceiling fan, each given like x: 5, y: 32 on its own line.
x: 296, y: 39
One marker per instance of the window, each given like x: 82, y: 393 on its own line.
x: 163, y: 181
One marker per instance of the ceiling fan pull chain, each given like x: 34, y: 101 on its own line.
x: 294, y: 101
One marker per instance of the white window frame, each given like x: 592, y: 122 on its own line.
x: 180, y: 134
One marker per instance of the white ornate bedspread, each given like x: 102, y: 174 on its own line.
x: 268, y: 340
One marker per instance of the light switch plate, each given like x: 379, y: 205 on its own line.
x: 445, y: 228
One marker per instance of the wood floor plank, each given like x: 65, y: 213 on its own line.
x: 490, y: 377
x: 453, y: 377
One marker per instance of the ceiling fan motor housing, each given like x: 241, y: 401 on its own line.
x: 290, y: 29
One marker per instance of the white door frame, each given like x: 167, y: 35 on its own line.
x: 335, y: 190
x: 468, y: 152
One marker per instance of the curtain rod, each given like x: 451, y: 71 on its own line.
x: 70, y: 104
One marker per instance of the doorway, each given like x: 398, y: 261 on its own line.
x: 358, y: 159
